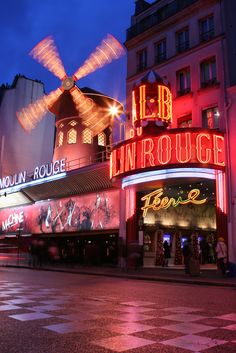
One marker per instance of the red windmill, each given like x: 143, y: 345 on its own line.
x: 68, y: 100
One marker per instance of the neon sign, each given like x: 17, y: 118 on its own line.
x: 155, y: 202
x: 40, y: 172
x: 181, y: 148
x: 151, y: 101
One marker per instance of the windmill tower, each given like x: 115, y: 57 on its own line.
x: 83, y: 117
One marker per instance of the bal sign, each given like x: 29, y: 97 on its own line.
x: 152, y: 102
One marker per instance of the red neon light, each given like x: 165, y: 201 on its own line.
x: 122, y: 159
x: 151, y: 101
x: 139, y: 131
x: 221, y: 202
x: 134, y: 108
x: 131, y: 133
x: 183, y: 154
x: 218, y: 149
x: 130, y: 156
x: 164, y: 103
x: 147, y: 155
x: 202, y: 150
x: 164, y: 148
x: 169, y: 149
x: 142, y: 101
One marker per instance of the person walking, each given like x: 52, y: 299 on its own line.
x: 221, y: 253
x: 166, y: 253
x: 187, y: 254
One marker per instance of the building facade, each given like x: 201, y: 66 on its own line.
x: 190, y: 45
x: 172, y: 178
x: 15, y: 152
x: 66, y: 209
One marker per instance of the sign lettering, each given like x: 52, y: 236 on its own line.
x: 181, y: 148
x: 40, y: 172
x: 155, y: 201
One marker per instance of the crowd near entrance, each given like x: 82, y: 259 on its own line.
x: 177, y: 217
x: 36, y: 250
x: 167, y: 247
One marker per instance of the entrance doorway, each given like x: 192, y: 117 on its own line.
x: 174, y: 216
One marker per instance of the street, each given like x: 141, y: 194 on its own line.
x: 53, y: 312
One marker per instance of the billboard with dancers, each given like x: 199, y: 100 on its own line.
x: 94, y: 211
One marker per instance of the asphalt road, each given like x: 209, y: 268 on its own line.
x: 50, y: 312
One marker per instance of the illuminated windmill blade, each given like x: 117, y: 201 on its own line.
x: 30, y: 116
x: 46, y: 54
x: 98, y: 123
x: 110, y: 49
x: 86, y: 106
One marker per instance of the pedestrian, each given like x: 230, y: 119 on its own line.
x: 187, y: 254
x: 166, y: 253
x: 221, y: 253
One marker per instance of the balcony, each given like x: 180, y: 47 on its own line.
x: 183, y: 91
x: 141, y: 67
x: 158, y: 17
x: 160, y: 58
x: 210, y: 83
x: 205, y: 36
x: 182, y: 47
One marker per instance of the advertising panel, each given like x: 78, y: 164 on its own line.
x: 94, y: 211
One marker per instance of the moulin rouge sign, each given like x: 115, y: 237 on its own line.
x: 206, y: 148
x: 40, y: 172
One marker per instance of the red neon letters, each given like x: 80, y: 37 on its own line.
x: 169, y: 149
x: 151, y: 101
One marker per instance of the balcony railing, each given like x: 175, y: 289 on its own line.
x: 209, y: 83
x: 205, y: 36
x: 159, y: 16
x: 141, y: 67
x: 183, y: 91
x: 181, y: 47
x: 160, y: 58
x: 89, y: 159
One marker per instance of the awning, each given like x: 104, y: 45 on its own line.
x: 79, y: 181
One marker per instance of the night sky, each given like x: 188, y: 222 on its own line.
x: 77, y: 27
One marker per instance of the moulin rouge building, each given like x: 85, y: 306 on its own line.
x: 174, y: 173
x: 159, y: 184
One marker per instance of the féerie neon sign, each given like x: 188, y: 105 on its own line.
x: 155, y: 201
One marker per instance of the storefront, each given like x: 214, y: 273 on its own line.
x: 166, y: 186
x: 173, y: 181
x: 83, y: 228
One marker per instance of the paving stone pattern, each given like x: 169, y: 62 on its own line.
x: 131, y: 325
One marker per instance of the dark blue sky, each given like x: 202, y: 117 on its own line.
x: 77, y: 26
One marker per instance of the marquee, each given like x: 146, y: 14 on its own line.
x: 202, y: 147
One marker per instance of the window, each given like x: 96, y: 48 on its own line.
x: 182, y: 40
x: 206, y: 28
x: 183, y: 81
x: 208, y: 73
x: 101, y: 139
x: 72, y: 123
x: 185, y: 121
x: 210, y: 118
x: 160, y: 51
x: 87, y: 136
x: 141, y: 60
x: 72, y: 136
x: 60, y: 138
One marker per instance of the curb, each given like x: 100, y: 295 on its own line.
x: 130, y: 276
